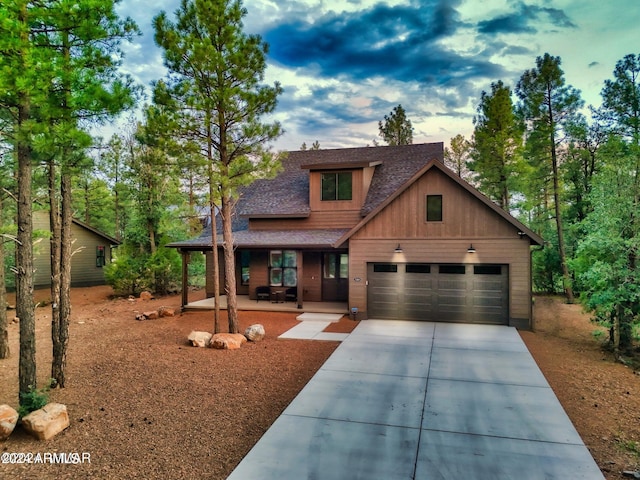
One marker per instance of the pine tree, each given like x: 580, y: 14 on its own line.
x: 496, y: 144
x: 396, y: 128
x: 215, y: 79
x: 549, y: 105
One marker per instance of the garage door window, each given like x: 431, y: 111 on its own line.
x: 452, y: 269
x: 417, y: 268
x: 487, y: 270
x: 385, y: 268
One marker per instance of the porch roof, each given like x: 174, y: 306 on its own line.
x: 325, y: 238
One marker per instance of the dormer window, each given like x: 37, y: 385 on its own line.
x: 336, y: 186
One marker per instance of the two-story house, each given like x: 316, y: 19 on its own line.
x: 389, y: 230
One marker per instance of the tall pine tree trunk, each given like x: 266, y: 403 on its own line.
x: 61, y: 342
x: 216, y: 271
x: 566, y: 276
x: 25, y: 308
x: 4, y: 332
x: 55, y: 243
x: 60, y: 323
x: 229, y: 264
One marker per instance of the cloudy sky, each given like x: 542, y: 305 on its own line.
x: 345, y: 64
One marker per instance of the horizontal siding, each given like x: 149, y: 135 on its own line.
x: 514, y: 253
x: 316, y: 220
x: 357, y: 193
x: 84, y: 271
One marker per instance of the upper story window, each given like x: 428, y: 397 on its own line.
x: 336, y: 186
x: 434, y: 208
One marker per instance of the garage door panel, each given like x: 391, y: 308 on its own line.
x: 447, y: 293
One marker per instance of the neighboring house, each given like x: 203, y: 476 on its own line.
x: 92, y: 250
x: 389, y: 230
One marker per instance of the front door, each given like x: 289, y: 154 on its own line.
x: 335, y: 277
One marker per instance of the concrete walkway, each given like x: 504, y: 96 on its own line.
x: 410, y: 400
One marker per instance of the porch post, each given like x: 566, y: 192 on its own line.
x: 185, y: 275
x: 300, y: 286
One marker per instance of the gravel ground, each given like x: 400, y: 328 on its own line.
x: 144, y: 404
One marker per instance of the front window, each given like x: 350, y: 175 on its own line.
x: 283, y: 271
x: 245, y: 262
x: 336, y: 265
x: 336, y: 186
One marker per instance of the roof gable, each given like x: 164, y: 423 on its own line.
x: 535, y: 238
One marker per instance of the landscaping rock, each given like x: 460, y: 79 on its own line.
x: 255, y: 333
x: 166, y: 312
x: 8, y: 420
x: 146, y: 296
x: 199, y: 339
x: 227, y: 341
x: 46, y: 422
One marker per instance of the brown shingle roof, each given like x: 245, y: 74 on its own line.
x: 325, y: 238
x: 287, y: 195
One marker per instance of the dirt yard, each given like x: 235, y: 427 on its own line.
x: 143, y: 404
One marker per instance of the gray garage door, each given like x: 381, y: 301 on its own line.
x: 439, y: 293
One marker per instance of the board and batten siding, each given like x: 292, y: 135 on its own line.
x: 466, y: 221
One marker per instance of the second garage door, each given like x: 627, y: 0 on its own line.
x: 439, y: 292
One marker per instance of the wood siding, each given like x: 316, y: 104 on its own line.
x: 511, y: 252
x: 311, y: 277
x: 84, y: 271
x: 463, y: 216
x: 465, y: 221
x: 358, y: 193
x: 316, y: 220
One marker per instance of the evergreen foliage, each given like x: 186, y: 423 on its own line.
x: 396, y: 128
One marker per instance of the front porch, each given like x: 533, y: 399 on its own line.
x: 245, y: 303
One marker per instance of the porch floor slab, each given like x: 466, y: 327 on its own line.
x: 245, y: 303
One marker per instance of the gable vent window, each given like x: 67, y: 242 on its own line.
x: 336, y: 186
x: 434, y: 208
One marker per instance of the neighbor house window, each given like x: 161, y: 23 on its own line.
x: 100, y: 256
x: 283, y: 271
x: 434, y: 208
x: 336, y: 186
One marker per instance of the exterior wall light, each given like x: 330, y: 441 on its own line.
x: 471, y: 249
x: 398, y: 249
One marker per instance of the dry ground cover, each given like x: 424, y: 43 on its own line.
x: 144, y: 404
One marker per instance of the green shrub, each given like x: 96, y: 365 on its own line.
x: 33, y: 400
x: 159, y: 272
x: 126, y: 275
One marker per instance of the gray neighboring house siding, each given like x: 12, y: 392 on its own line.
x: 85, y: 270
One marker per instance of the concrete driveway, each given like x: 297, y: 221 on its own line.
x: 411, y: 400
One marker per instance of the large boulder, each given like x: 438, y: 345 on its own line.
x: 199, y: 339
x: 255, y: 333
x: 46, y: 422
x: 8, y: 420
x: 227, y: 341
